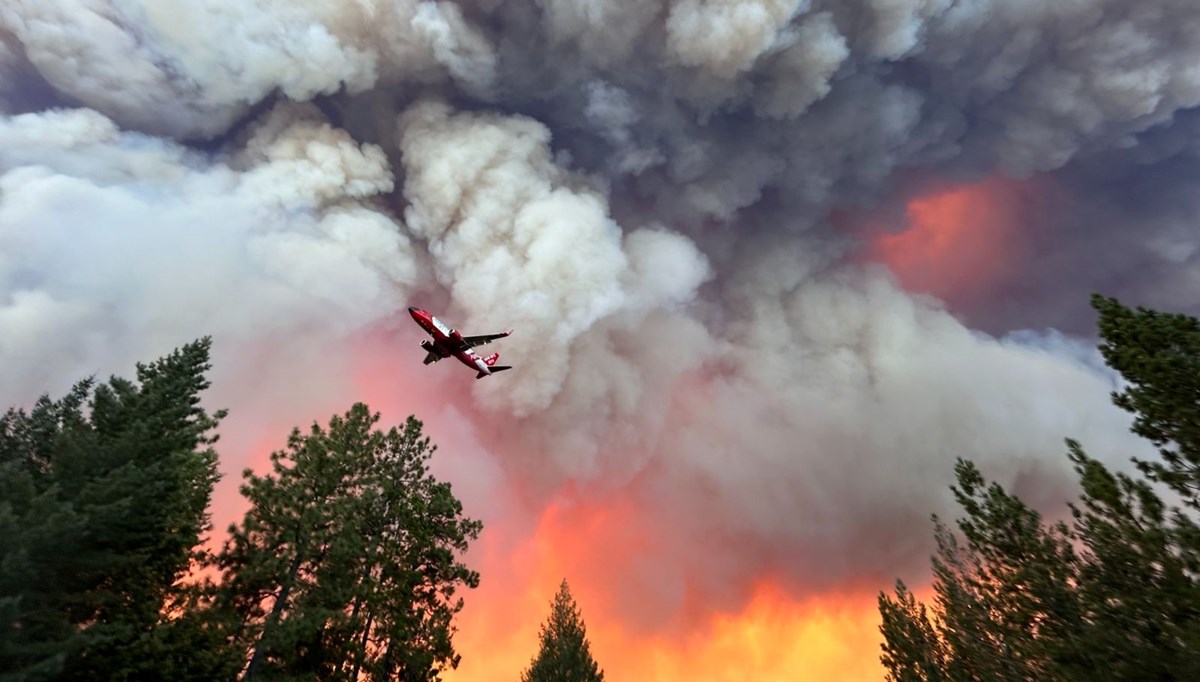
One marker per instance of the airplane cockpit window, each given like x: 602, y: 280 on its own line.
x: 441, y: 327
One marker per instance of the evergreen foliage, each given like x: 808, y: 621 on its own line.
x: 345, y: 567
x: 1111, y: 595
x: 103, y: 499
x: 565, y: 654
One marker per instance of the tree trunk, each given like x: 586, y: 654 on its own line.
x: 273, y: 619
x: 366, y: 635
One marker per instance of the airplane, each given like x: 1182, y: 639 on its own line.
x: 448, y: 341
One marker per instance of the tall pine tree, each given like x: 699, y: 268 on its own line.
x: 565, y: 654
x: 103, y: 499
x: 346, y: 567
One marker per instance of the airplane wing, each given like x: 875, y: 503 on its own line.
x: 473, y: 341
x: 432, y: 357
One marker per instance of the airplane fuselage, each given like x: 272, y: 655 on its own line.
x: 446, y: 341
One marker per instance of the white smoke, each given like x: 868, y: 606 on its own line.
x: 117, y: 246
x: 726, y: 37
x: 642, y: 190
x: 192, y: 68
x: 519, y: 241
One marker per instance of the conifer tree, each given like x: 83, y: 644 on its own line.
x: 1113, y: 595
x: 565, y: 654
x: 1158, y: 355
x: 103, y: 504
x: 346, y: 567
x: 913, y: 651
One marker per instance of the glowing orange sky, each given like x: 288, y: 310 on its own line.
x: 761, y: 630
x: 643, y: 625
x: 774, y: 636
x: 599, y: 544
x: 957, y: 241
x: 954, y: 244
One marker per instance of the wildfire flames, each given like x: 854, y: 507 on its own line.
x: 773, y: 636
x: 596, y: 543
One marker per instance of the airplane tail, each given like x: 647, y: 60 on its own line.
x: 490, y: 361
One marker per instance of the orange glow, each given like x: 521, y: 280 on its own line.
x: 772, y: 635
x: 957, y: 241
x: 772, y: 638
x: 646, y: 620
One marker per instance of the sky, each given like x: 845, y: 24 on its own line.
x: 772, y: 266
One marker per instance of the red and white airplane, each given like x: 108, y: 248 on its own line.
x: 448, y: 341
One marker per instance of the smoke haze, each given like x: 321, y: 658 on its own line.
x: 772, y: 265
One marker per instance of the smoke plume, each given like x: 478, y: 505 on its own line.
x: 772, y: 265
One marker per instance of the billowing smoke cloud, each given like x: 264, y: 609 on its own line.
x: 191, y: 69
x: 114, y: 242
x: 518, y: 240
x: 646, y: 191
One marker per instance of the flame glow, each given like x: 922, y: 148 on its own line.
x: 957, y: 241
x: 598, y: 542
x: 774, y: 635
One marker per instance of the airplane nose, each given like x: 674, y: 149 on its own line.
x: 412, y: 309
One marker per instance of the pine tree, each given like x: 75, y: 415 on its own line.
x: 1005, y: 595
x: 1114, y: 595
x: 1158, y: 354
x: 1138, y: 578
x: 38, y: 585
x: 346, y: 565
x: 564, y: 655
x: 913, y: 651
x: 106, y: 511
